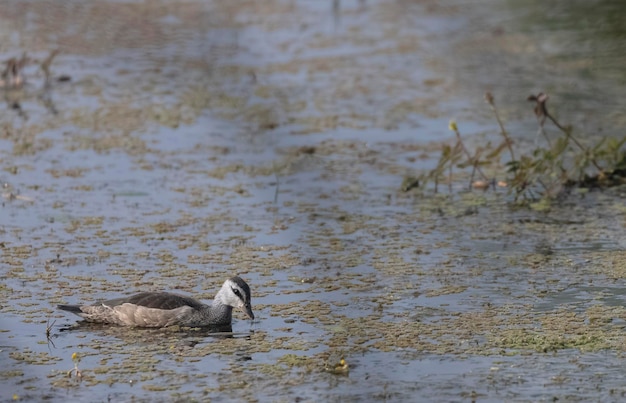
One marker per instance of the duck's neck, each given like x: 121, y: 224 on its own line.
x: 220, y: 312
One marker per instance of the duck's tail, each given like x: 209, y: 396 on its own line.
x: 71, y: 308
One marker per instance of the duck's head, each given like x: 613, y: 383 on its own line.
x: 236, y: 293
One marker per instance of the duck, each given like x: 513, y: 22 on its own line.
x: 163, y: 309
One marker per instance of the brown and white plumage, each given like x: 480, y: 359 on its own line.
x: 162, y: 309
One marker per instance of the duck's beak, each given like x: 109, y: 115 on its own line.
x: 247, y: 309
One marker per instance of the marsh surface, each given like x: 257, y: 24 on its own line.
x: 176, y: 144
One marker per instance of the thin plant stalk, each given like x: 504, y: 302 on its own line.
x: 505, y: 134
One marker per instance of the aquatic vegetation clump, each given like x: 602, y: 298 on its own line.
x: 544, y: 173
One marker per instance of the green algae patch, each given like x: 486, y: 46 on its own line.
x: 28, y: 356
x: 446, y: 291
x: 523, y: 340
x: 11, y: 373
x: 155, y: 388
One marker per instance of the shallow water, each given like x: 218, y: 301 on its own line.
x: 199, y: 140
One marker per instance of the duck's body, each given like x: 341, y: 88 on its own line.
x: 162, y: 309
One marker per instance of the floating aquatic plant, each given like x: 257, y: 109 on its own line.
x: 339, y: 368
x: 75, y: 370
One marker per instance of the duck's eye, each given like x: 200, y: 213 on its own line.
x: 237, y: 292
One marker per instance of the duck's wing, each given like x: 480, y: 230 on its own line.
x: 156, y: 300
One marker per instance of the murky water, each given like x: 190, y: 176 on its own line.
x: 197, y: 140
